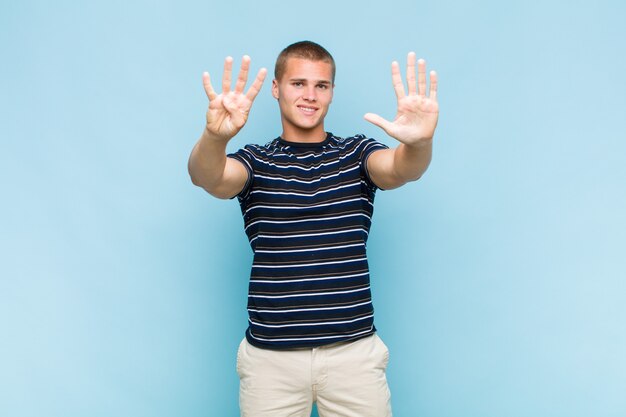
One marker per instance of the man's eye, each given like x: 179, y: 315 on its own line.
x: 297, y: 84
x: 323, y: 86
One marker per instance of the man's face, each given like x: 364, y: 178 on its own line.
x: 304, y: 94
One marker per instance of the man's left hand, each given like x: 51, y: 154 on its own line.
x: 417, y: 114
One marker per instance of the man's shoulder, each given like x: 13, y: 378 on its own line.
x: 353, y: 140
x: 271, y: 144
x: 358, y: 140
x: 261, y: 149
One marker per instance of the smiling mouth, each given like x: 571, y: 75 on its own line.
x: 307, y: 110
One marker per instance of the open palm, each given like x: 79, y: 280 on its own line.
x: 228, y: 111
x: 417, y: 114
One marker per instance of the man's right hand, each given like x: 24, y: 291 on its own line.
x: 228, y: 111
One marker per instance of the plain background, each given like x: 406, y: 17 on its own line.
x: 499, y: 277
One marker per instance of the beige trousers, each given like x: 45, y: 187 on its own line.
x: 345, y: 379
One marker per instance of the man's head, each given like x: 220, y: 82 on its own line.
x: 304, y: 50
x: 303, y: 86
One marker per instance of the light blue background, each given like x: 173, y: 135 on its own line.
x: 499, y: 277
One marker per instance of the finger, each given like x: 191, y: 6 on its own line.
x: 208, y: 88
x: 396, y: 79
x: 226, y: 78
x: 421, y: 77
x: 378, y: 121
x: 410, y: 73
x: 256, y: 85
x: 243, y: 74
x: 433, y: 85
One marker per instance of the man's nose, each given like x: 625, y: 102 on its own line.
x: 310, y: 94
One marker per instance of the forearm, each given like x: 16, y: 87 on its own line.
x: 208, y: 166
x: 411, y: 161
x: 392, y: 168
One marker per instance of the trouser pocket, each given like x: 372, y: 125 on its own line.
x: 240, y: 353
x: 384, y: 349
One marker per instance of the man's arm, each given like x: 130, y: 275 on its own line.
x: 208, y: 165
x: 414, y: 126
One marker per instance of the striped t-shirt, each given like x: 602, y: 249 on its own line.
x: 307, y: 211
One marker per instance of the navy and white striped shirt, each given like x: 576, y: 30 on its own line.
x: 307, y: 211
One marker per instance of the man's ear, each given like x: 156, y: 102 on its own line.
x: 275, y: 89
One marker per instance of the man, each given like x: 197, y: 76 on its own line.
x: 306, y: 198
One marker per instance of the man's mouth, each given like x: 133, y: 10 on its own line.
x: 307, y: 110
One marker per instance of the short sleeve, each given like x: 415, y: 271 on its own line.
x: 369, y: 146
x: 246, y: 158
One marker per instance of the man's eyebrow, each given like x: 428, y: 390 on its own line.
x: 305, y: 80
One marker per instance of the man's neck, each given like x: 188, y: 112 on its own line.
x: 316, y: 135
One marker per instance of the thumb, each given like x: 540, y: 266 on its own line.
x: 379, y: 121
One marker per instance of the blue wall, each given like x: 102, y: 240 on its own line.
x: 499, y: 277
